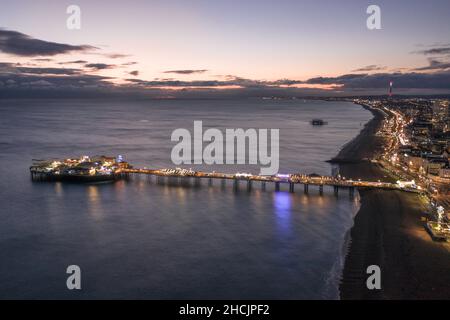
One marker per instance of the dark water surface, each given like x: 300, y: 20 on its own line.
x: 138, y: 239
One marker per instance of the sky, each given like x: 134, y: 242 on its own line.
x: 224, y: 48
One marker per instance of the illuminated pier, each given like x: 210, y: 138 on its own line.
x: 101, y: 168
x: 249, y: 179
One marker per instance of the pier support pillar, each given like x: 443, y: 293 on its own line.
x: 249, y: 185
x: 336, y: 190
x: 236, y: 184
x: 210, y: 182
x: 306, y: 188
x: 186, y: 181
x: 263, y: 186
x: 321, y: 189
x: 351, y: 192
x: 277, y: 186
x: 291, y: 187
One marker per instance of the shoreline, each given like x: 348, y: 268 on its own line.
x: 365, y: 145
x: 388, y: 232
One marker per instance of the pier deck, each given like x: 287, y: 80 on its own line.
x: 292, y: 180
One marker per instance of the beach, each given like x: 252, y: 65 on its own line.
x: 388, y: 232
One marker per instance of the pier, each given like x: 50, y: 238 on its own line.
x: 101, y: 168
x: 250, y: 181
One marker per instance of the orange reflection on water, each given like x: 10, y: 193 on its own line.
x: 59, y: 191
x: 94, y: 204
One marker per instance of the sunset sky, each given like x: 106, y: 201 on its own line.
x: 263, y: 47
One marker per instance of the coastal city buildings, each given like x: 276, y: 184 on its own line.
x: 417, y: 146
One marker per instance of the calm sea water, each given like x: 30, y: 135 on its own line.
x: 139, y: 239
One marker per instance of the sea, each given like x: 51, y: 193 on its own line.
x: 144, y: 239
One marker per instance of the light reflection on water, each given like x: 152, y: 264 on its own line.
x: 282, y: 207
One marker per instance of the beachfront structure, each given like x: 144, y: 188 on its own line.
x: 84, y: 168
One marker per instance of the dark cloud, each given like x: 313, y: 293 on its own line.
x: 372, y: 67
x: 61, y: 71
x: 27, y: 81
x: 285, y: 82
x: 435, y: 64
x: 230, y: 81
x: 438, y: 80
x: 19, y: 80
x: 188, y: 71
x: 236, y: 81
x: 20, y: 44
x: 100, y: 66
x: 116, y: 55
x: 129, y: 63
x: 347, y: 78
x: 11, y: 68
x: 74, y: 62
x: 411, y: 80
x: 177, y: 83
x: 17, y: 76
x: 435, y: 51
